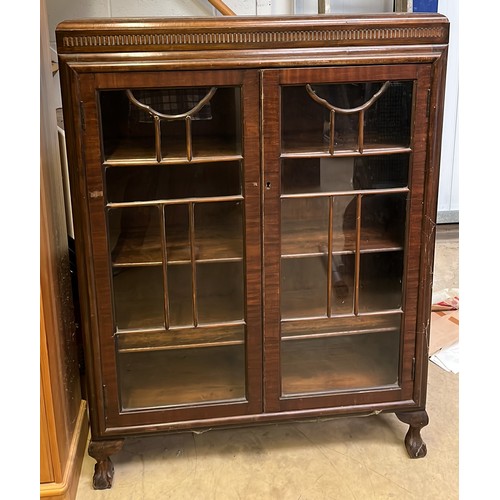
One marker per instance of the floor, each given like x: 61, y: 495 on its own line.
x: 343, y: 459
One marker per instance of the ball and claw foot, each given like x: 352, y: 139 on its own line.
x: 103, y: 475
x: 414, y: 443
x: 104, y: 469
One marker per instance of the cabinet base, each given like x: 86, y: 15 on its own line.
x: 104, y: 469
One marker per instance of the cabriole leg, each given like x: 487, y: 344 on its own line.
x: 104, y: 470
x: 415, y: 446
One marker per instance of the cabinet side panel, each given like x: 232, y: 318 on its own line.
x: 74, y: 129
x: 415, y: 216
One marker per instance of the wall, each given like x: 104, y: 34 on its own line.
x: 448, y: 209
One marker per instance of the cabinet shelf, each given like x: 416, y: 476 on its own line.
x: 212, y: 244
x: 349, y: 324
x: 302, y: 238
x: 191, y: 338
x: 307, y: 151
x: 139, y: 151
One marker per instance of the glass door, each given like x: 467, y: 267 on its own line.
x: 339, y: 188
x: 180, y: 179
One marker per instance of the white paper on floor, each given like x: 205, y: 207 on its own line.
x: 447, y: 358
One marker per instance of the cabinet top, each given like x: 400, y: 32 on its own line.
x: 222, y: 33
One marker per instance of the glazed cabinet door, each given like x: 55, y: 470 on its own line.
x: 173, y: 183
x: 344, y: 167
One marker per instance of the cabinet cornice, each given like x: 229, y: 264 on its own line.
x: 172, y: 34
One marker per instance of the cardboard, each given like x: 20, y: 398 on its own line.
x: 444, y: 330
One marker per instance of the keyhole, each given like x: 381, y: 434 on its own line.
x: 268, y: 185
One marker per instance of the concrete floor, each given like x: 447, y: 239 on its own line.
x: 344, y: 458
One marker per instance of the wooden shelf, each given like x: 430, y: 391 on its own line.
x: 137, y: 248
x: 213, y: 243
x: 309, y: 145
x: 340, y: 325
x: 137, y: 150
x: 305, y: 238
x: 190, y: 338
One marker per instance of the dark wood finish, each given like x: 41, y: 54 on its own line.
x: 140, y: 341
x: 415, y: 446
x: 272, y: 155
x: 379, y: 349
x: 123, y: 35
x: 104, y: 470
x: 302, y: 238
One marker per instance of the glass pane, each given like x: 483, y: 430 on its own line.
x: 383, y: 221
x: 220, y: 291
x: 134, y: 235
x: 304, y: 226
x: 344, y: 224
x: 346, y: 131
x: 305, y: 232
x: 219, y: 230
x: 306, y: 123
x: 302, y: 121
x: 326, y: 175
x: 177, y: 233
x: 138, y: 297
x: 303, y: 287
x: 380, y: 283
x: 340, y: 363
x: 342, y: 284
x: 180, y: 294
x: 129, y: 131
x: 221, y: 134
x: 389, y: 120
x: 181, y: 376
x: 381, y: 172
x: 125, y: 184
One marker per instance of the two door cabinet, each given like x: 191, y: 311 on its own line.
x: 254, y: 204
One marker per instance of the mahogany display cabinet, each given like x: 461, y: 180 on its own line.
x: 254, y: 206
